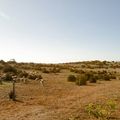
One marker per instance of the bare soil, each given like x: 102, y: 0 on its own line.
x: 57, y: 100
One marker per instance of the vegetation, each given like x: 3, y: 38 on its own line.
x: 8, y: 77
x: 101, y: 111
x: 51, y: 70
x: 81, y: 80
x: 56, y: 92
x: 71, y: 78
x: 33, y: 76
x: 1, y: 82
x: 23, y: 74
x: 44, y: 70
x: 9, y: 69
x: 93, y: 76
x: 77, y: 71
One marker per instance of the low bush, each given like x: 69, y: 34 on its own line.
x: 8, y: 77
x: 81, y: 80
x: 77, y: 71
x: 1, y: 67
x: 8, y: 68
x: 71, y: 78
x: 101, y: 111
x: 55, y: 70
x: 44, y: 70
x: 39, y: 77
x: 32, y: 76
x: 2, y: 62
x: 93, y: 79
x: 23, y: 74
x: 1, y: 82
x: 106, y: 77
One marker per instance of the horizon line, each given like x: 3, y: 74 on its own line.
x: 77, y: 61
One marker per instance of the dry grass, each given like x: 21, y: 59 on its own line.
x: 58, y: 100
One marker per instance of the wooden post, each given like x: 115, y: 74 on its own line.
x: 14, y: 92
x: 0, y: 80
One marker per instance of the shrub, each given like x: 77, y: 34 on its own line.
x: 101, y: 111
x: 39, y: 77
x: 1, y: 82
x: 8, y: 77
x: 72, y: 70
x: 54, y: 70
x: 33, y: 77
x: 38, y: 68
x: 9, y: 68
x: 93, y: 80
x: 77, y: 71
x: 91, y: 77
x: 81, y: 80
x: 113, y: 76
x: 88, y: 75
x: 71, y: 78
x: 100, y: 76
x: 23, y: 74
x: 2, y: 62
x: 1, y: 67
x: 44, y: 70
x: 106, y: 77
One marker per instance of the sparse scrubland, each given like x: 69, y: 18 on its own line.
x: 71, y: 91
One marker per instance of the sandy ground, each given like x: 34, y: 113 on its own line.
x: 57, y: 100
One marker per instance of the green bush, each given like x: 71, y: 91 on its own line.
x: 71, y: 78
x: 101, y: 111
x: 81, y: 80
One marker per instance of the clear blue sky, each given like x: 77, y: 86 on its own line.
x: 59, y: 30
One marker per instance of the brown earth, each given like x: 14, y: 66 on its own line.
x: 57, y: 100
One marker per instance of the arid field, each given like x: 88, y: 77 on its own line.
x: 58, y: 98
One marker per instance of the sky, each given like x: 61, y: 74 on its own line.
x: 56, y: 31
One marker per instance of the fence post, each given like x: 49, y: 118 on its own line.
x: 14, y: 92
